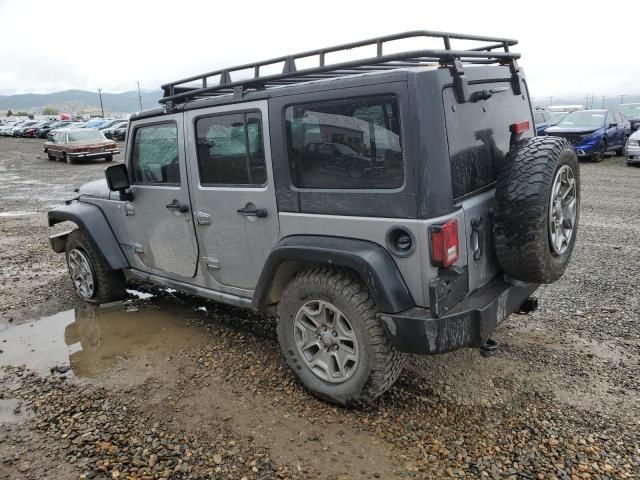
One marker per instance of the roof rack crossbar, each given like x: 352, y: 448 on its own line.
x: 493, y: 51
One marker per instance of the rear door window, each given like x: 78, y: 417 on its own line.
x: 231, y: 150
x: 345, y: 144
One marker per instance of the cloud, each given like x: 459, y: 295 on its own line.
x: 111, y: 45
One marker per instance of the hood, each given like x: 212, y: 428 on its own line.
x: 576, y: 129
x: 97, y: 188
x: 635, y: 136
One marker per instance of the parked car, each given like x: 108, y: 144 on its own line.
x: 43, y: 131
x: 632, y: 151
x: 556, y: 117
x: 6, y: 128
x: 593, y: 133
x: 71, y: 145
x: 542, y: 119
x: 110, y: 123
x: 108, y: 132
x: 632, y: 112
x: 30, y: 132
x: 120, y: 133
x: 96, y: 122
x: 218, y: 196
x: 19, y: 131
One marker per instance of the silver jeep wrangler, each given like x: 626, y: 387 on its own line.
x: 381, y: 206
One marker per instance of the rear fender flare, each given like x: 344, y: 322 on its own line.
x: 371, y: 262
x: 92, y: 221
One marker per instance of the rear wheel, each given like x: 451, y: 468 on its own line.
x: 600, y: 152
x: 331, y: 338
x: 51, y: 157
x: 92, y: 279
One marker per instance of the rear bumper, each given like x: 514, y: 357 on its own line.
x: 106, y: 153
x: 468, y: 324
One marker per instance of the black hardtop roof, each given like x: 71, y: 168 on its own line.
x: 227, y: 81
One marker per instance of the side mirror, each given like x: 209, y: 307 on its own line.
x: 118, y: 180
x: 613, y: 124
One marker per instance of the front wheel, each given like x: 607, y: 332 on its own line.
x: 600, y: 152
x: 332, y: 339
x: 108, y: 158
x: 92, y: 279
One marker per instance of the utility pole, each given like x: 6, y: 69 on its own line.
x: 622, y: 99
x: 603, y: 97
x: 139, y: 96
x: 101, y: 107
x: 550, y: 101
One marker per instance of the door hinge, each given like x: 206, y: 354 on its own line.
x: 212, y: 263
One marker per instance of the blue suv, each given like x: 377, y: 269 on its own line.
x: 593, y: 133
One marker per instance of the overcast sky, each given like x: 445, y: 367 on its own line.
x: 567, y: 47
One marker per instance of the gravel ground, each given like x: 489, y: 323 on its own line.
x: 169, y: 386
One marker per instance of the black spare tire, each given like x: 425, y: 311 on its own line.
x: 537, y: 206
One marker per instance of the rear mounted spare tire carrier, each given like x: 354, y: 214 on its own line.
x: 537, y: 207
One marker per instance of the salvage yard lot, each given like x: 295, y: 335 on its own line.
x: 175, y: 387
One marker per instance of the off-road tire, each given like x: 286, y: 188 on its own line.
x: 379, y: 363
x: 523, y: 192
x: 110, y: 285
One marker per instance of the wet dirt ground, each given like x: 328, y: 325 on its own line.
x: 168, y: 386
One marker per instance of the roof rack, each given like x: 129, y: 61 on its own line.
x: 491, y: 51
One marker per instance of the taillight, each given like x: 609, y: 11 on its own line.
x: 444, y: 244
x: 521, y: 127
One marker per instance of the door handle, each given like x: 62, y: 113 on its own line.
x: 176, y: 206
x: 253, y: 212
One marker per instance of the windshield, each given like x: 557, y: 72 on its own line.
x: 85, y: 135
x: 630, y: 110
x: 583, y: 119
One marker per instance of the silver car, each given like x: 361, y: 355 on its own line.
x: 632, y: 151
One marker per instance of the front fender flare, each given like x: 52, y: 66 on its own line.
x: 371, y: 262
x: 92, y: 221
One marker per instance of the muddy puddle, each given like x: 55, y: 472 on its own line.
x: 91, y: 339
x: 16, y: 214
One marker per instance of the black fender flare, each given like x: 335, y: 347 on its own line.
x: 369, y: 260
x: 92, y: 221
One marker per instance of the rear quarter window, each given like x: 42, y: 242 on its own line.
x: 345, y: 144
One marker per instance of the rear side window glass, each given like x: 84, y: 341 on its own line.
x: 345, y: 144
x: 231, y: 150
x: 154, y: 157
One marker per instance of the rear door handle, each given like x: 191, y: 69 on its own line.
x: 253, y: 212
x: 176, y: 206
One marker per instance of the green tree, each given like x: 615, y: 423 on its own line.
x: 22, y: 114
x: 9, y: 113
x: 49, y: 111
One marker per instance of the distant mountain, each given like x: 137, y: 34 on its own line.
x: 75, y: 101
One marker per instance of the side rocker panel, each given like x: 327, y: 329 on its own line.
x: 93, y: 222
x: 370, y: 261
